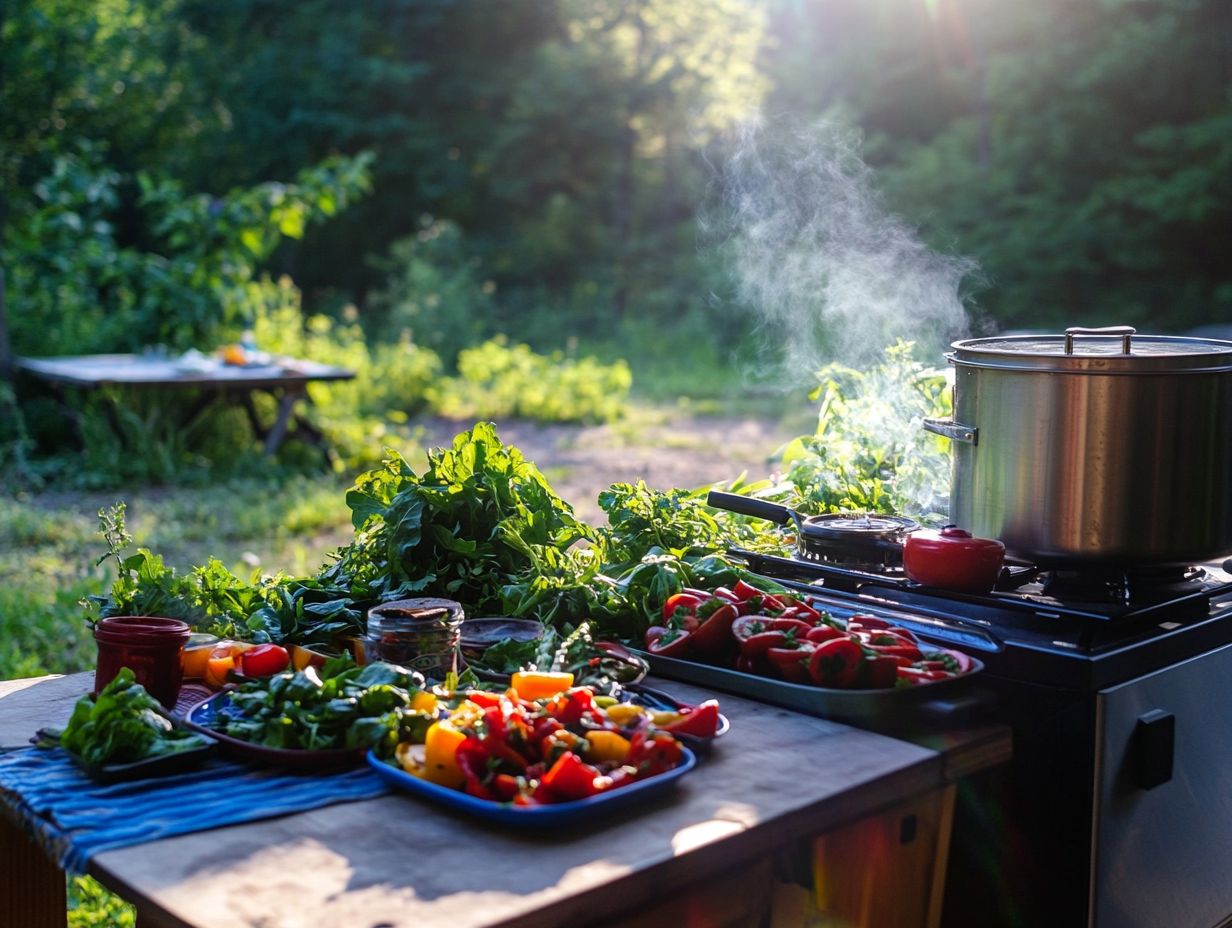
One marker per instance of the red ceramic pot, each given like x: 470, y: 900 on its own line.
x: 951, y: 559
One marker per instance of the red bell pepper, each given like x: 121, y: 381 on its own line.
x: 701, y: 721
x: 673, y: 643
x: 714, y: 632
x: 836, y: 663
x: 570, y: 778
x: 792, y: 663
x: 820, y: 633
x: 652, y: 754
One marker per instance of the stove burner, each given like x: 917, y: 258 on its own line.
x: 854, y: 540
x: 1132, y: 585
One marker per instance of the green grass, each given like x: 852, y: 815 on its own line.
x: 91, y: 906
x: 49, y: 545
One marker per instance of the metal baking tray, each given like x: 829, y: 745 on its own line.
x: 954, y: 701
x: 951, y: 701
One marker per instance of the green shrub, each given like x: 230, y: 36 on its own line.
x: 869, y: 452
x: 497, y: 380
x: 391, y: 379
x: 433, y: 293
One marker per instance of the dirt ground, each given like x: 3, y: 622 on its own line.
x: 668, y: 450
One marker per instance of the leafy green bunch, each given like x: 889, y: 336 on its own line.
x: 125, y: 724
x: 208, y: 595
x: 480, y: 516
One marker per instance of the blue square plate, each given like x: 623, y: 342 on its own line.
x: 561, y: 813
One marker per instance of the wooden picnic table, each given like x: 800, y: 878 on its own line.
x: 783, y: 802
x: 286, y: 379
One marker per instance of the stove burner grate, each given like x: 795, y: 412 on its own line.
x: 1128, y: 586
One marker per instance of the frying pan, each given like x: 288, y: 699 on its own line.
x: 828, y: 533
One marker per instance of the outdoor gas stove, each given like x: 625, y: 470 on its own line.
x: 1117, y: 807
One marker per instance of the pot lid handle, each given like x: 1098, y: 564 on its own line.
x: 1125, y: 331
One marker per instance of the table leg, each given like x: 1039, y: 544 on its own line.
x: 286, y: 405
x: 32, y: 891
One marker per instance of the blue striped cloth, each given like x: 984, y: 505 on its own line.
x: 74, y: 818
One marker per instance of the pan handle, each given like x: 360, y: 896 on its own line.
x: 748, y: 506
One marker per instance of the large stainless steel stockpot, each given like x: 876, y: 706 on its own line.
x: 1099, y: 445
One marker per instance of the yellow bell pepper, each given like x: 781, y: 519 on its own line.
x: 624, y: 714
x: 607, y: 745
x: 441, y: 755
x: 423, y: 701
x: 537, y: 684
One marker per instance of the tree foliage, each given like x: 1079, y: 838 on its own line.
x: 1079, y: 151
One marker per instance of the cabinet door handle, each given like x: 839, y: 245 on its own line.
x: 1154, y: 748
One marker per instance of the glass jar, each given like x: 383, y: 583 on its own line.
x: 419, y: 634
x: 149, y: 646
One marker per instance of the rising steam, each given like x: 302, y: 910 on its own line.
x: 832, y: 274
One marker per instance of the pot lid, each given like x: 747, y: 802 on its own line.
x: 856, y: 525
x: 1118, y: 349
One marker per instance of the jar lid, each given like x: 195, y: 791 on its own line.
x: 415, y: 614
x: 139, y: 629
x: 1118, y: 349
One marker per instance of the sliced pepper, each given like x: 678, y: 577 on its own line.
x: 540, y: 684
x: 570, y: 778
x: 441, y: 755
x: 700, y: 721
x: 607, y: 746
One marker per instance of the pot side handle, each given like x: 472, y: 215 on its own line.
x: 948, y: 428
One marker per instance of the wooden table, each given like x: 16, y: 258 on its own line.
x: 784, y: 800
x: 286, y: 378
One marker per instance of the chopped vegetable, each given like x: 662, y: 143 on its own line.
x: 559, y: 748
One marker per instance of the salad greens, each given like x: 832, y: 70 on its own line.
x: 482, y: 526
x: 123, y: 725
x: 341, y: 706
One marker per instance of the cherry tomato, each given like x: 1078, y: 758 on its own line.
x: 264, y: 660
x: 917, y: 675
x: 963, y: 661
x: 799, y: 626
x: 864, y: 620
